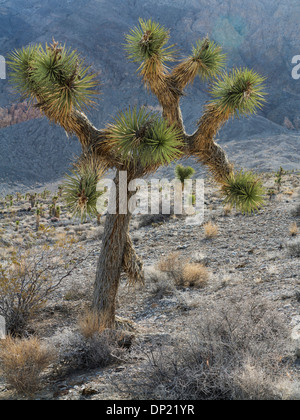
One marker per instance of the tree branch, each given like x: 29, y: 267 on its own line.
x: 202, y: 144
x: 93, y: 141
x: 132, y: 264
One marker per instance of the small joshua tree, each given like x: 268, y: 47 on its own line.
x: 37, y: 218
x: 278, y: 178
x: 184, y: 172
x: 32, y: 199
x: 62, y: 87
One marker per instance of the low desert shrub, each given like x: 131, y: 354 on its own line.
x: 95, y: 349
x: 98, y: 351
x: 29, y: 278
x: 160, y: 283
x: 293, y: 247
x: 22, y: 362
x: 150, y: 219
x: 234, y: 351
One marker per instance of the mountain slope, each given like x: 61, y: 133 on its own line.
x: 261, y: 34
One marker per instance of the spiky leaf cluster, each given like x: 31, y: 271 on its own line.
x: 80, y: 190
x: 241, y: 92
x: 244, y: 191
x: 148, y: 40
x: 144, y: 138
x: 184, y: 172
x: 55, y: 77
x: 209, y: 57
x: 20, y: 63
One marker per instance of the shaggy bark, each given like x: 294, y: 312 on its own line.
x: 109, y: 268
x: 117, y: 254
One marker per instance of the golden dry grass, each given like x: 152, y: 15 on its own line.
x: 195, y: 275
x: 89, y: 324
x: 294, y: 229
x: 227, y: 209
x: 183, y: 272
x: 171, y: 262
x: 211, y: 230
x: 23, y: 362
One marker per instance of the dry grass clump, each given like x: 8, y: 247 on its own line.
x: 294, y: 229
x: 183, y: 272
x: 22, y: 363
x: 173, y: 265
x: 234, y: 351
x: 89, y: 324
x: 227, y: 209
x: 195, y: 275
x: 211, y: 230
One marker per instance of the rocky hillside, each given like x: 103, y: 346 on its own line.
x: 248, y: 275
x: 17, y: 113
x: 38, y: 153
x: 260, y: 34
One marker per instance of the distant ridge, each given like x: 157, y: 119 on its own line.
x: 35, y: 152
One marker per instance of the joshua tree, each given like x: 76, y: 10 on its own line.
x: 32, y: 199
x: 62, y: 87
x: 184, y: 172
x: 37, y: 219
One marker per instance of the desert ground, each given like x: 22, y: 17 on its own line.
x: 217, y: 318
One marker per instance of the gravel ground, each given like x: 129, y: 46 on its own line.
x: 249, y: 255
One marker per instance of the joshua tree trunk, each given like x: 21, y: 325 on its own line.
x: 117, y: 255
x: 109, y: 267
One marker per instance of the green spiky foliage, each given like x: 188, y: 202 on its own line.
x: 80, y: 190
x: 21, y: 71
x: 241, y: 92
x: 148, y: 41
x: 206, y: 61
x: 184, y: 172
x: 244, y: 190
x: 208, y: 55
x: 147, y: 44
x: 55, y: 78
x: 144, y: 138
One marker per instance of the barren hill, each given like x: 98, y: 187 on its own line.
x: 261, y: 34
